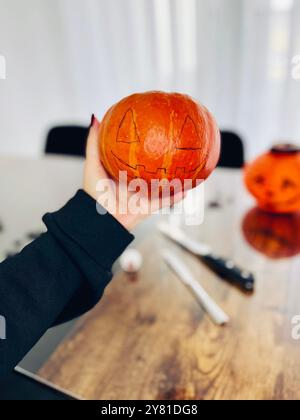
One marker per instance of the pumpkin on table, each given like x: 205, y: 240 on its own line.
x: 157, y: 135
x: 274, y: 179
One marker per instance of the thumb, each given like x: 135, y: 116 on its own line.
x: 94, y: 170
x: 92, y: 149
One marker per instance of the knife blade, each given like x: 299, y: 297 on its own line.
x: 225, y: 268
x: 217, y: 315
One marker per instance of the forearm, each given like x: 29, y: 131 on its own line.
x: 57, y: 277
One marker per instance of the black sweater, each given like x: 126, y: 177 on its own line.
x: 59, y: 276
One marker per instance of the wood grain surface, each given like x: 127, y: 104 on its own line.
x: 148, y: 338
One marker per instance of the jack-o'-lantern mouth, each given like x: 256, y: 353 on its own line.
x: 139, y: 169
x: 289, y: 201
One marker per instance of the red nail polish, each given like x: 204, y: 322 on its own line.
x: 93, y: 118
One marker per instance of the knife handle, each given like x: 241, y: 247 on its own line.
x: 229, y: 271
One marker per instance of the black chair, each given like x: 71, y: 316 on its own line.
x: 71, y: 141
x: 67, y: 140
x: 232, y: 151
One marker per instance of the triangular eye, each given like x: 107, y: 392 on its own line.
x: 127, y: 132
x: 189, y: 135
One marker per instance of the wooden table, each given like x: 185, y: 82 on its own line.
x: 149, y: 338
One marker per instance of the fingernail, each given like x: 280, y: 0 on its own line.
x: 93, y: 120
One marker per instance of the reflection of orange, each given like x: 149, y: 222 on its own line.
x: 158, y: 135
x: 277, y: 236
x: 274, y: 179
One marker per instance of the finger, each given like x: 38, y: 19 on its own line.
x: 93, y: 160
x: 177, y: 198
x: 170, y: 201
x: 92, y: 149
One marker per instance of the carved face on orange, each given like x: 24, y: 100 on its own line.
x: 274, y: 235
x: 274, y: 179
x: 156, y: 135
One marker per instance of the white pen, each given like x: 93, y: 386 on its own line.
x: 217, y: 315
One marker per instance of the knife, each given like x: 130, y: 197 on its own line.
x: 217, y: 315
x: 225, y: 268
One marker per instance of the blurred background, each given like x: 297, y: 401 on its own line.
x: 61, y: 61
x: 66, y: 59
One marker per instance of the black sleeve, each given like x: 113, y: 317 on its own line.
x: 59, y: 276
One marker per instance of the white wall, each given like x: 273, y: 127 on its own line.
x: 69, y: 58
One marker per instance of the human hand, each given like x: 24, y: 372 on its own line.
x: 95, y: 175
